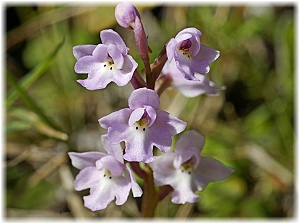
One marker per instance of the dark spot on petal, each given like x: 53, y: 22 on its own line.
x: 182, y: 171
x: 104, y: 65
x: 109, y: 177
x: 104, y: 175
x: 110, y: 68
x: 136, y: 128
x: 190, y: 172
x: 144, y: 129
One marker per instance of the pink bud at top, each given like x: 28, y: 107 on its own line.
x: 125, y: 14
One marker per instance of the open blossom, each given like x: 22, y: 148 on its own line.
x: 104, y: 63
x: 142, y: 126
x: 105, y: 174
x: 190, y: 55
x: 190, y: 88
x: 186, y: 171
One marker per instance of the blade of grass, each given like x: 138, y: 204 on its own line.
x: 33, y: 75
x: 30, y: 102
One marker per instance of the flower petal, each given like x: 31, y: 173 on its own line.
x: 188, y: 140
x: 110, y: 163
x: 95, y: 80
x: 200, y: 66
x: 84, y: 159
x: 116, y: 122
x: 151, y: 115
x: 136, y: 115
x: 143, y: 97
x: 122, y: 76
x: 173, y: 124
x: 136, y: 189
x: 207, y: 54
x: 80, y: 51
x: 171, y: 48
x: 111, y: 37
x: 210, y: 169
x: 116, y: 56
x: 112, y: 149
x: 138, y: 146
x: 87, y: 64
x: 190, y: 30
x: 87, y: 178
x: 106, y: 190
x: 163, y: 169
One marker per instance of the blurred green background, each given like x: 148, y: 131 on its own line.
x: 250, y: 126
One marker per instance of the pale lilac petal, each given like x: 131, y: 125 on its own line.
x: 159, y: 135
x: 200, y: 66
x: 87, y: 64
x: 174, y: 125
x: 195, y: 48
x: 101, y: 53
x: 184, y: 195
x: 105, y: 192
x: 111, y: 37
x: 171, y: 48
x: 190, y: 30
x: 84, y: 159
x: 80, y: 51
x: 116, y: 123
x: 193, y: 88
x: 182, y: 37
x: 95, y: 80
x: 136, y: 189
x: 138, y: 146
x: 151, y: 114
x: 112, y: 149
x: 210, y: 169
x: 116, y: 56
x: 182, y: 156
x: 136, y: 115
x: 122, y: 76
x: 100, y: 196
x: 188, y: 140
x: 87, y: 178
x: 207, y: 54
x: 163, y: 169
x: 110, y: 163
x: 121, y: 189
x: 184, y: 65
x: 143, y: 97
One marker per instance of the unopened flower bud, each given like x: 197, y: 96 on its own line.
x: 125, y: 14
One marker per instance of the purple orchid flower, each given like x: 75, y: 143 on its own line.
x: 186, y: 171
x: 190, y: 55
x: 190, y: 88
x: 142, y: 126
x: 105, y: 174
x: 104, y: 63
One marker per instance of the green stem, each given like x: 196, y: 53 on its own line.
x: 150, y: 197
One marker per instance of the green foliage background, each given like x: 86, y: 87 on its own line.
x: 250, y: 126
